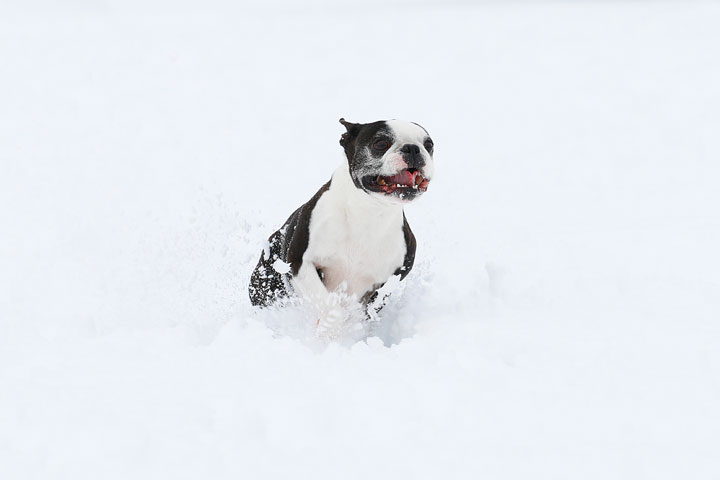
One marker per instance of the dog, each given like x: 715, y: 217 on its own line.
x: 338, y: 249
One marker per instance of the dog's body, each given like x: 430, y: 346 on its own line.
x: 352, y: 236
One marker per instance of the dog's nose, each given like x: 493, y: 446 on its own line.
x: 412, y: 156
x: 410, y: 148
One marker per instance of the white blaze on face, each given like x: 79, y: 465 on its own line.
x: 406, y: 133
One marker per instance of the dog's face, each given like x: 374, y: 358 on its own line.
x: 390, y: 159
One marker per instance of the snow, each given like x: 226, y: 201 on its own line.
x: 562, y: 319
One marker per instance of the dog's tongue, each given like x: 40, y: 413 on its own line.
x: 403, y: 178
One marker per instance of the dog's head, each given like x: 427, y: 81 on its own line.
x: 389, y: 159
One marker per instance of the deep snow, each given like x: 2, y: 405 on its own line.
x: 562, y: 320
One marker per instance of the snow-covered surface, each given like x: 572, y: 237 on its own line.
x: 563, y: 319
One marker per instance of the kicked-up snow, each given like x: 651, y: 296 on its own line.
x: 562, y: 320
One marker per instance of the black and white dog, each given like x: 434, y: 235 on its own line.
x: 340, y: 247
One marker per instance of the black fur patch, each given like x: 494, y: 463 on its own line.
x: 411, y: 245
x: 358, y: 136
x: 287, y: 244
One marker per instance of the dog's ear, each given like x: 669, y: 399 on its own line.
x: 350, y: 134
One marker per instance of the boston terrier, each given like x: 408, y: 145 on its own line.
x: 344, y: 244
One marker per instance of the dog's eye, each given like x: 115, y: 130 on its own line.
x: 381, y: 145
x: 429, y: 145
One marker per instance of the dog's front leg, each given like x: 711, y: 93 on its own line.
x: 329, y: 307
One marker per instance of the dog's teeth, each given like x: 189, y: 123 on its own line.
x: 381, y: 181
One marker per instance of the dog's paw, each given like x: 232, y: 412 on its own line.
x: 331, y: 323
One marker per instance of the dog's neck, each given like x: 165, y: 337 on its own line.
x: 358, y: 204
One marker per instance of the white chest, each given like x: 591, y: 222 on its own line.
x: 356, y: 244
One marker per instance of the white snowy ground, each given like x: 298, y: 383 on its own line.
x: 563, y: 319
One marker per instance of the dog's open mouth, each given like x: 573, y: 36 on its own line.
x: 407, y: 181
